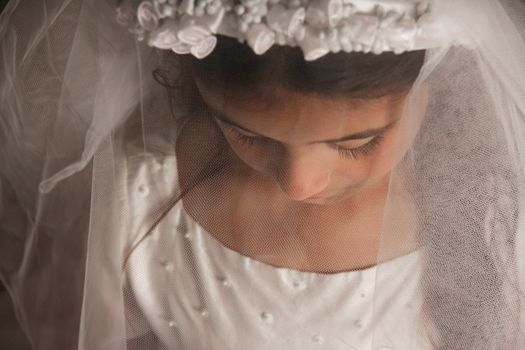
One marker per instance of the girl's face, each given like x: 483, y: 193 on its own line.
x: 317, y: 150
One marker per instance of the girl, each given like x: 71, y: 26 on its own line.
x: 264, y: 174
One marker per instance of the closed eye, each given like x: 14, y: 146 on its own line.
x: 360, y: 151
x: 248, y: 140
x: 243, y: 138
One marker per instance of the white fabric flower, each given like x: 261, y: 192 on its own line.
x: 204, y: 47
x: 313, y: 47
x: 166, y: 36
x: 181, y: 48
x: 389, y: 19
x: 193, y: 39
x: 362, y: 29
x: 324, y: 13
x: 299, y: 33
x: 190, y: 26
x: 285, y: 21
x: 260, y: 38
x: 147, y: 16
x: 400, y: 35
x: 212, y: 22
x: 187, y: 6
x: 192, y: 32
x: 379, y: 46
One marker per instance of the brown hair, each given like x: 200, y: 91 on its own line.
x: 234, y: 67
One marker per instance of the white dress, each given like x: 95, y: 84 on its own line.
x: 195, y: 293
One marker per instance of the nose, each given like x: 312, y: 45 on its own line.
x: 302, y: 176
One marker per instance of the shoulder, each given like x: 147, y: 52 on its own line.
x: 147, y: 180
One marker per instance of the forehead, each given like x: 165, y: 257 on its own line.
x: 294, y: 117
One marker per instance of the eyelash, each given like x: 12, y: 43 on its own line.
x: 347, y: 153
x: 364, y: 150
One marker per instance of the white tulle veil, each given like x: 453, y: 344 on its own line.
x: 77, y: 89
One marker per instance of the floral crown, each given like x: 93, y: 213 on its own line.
x: 316, y: 26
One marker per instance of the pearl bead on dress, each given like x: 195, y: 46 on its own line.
x: 143, y: 190
x: 318, y: 339
x: 168, y: 266
x: 267, y: 317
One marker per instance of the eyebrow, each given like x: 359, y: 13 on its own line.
x: 356, y: 136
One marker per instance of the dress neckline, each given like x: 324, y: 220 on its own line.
x: 211, y: 241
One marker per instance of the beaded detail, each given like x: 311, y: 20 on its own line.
x: 316, y: 26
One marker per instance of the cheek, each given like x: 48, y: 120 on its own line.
x: 385, y: 159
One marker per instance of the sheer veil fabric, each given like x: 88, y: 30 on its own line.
x: 97, y: 158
